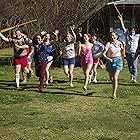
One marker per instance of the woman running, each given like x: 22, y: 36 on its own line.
x: 68, y: 54
x: 85, y: 51
x: 114, y: 50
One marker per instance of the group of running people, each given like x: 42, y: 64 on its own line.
x: 42, y: 46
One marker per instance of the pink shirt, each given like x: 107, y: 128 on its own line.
x: 113, y: 49
x: 86, y: 56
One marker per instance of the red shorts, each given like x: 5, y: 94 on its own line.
x: 21, y: 61
x: 96, y: 61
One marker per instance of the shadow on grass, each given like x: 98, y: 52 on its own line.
x: 105, y: 138
x: 67, y: 93
x: 120, y: 83
x: 129, y: 84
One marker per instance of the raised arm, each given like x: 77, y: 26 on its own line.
x: 4, y: 38
x: 122, y: 22
x: 73, y: 33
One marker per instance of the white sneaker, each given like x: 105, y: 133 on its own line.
x: 134, y: 81
x: 94, y: 81
x: 71, y: 85
x: 90, y: 79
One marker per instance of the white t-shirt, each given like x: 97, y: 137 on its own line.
x: 68, y: 50
x: 131, y: 42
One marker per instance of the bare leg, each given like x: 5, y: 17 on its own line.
x: 66, y: 70
x: 95, y: 73
x: 90, y: 75
x: 47, y: 72
x: 71, y: 67
x: 87, y: 68
x: 114, y: 78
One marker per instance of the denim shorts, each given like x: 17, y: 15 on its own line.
x: 69, y: 61
x: 116, y: 64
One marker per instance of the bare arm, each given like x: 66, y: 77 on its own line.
x: 32, y: 51
x: 4, y: 38
x: 79, y: 49
x: 123, y: 50
x: 105, y: 56
x: 73, y: 33
x: 22, y: 47
x: 122, y: 23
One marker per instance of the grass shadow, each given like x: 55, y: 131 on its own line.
x: 68, y: 93
x: 105, y: 138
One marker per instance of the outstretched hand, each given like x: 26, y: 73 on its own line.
x: 56, y: 32
x: 72, y: 27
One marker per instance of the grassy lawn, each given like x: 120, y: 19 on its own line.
x: 64, y: 113
x: 6, y: 52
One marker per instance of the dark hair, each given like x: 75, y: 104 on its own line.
x: 131, y: 28
x: 111, y: 33
x: 35, y: 39
x: 82, y: 38
x: 24, y: 32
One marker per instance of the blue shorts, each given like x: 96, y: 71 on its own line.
x: 116, y: 64
x: 69, y: 61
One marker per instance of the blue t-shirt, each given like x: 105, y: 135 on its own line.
x: 45, y: 51
x: 96, y: 46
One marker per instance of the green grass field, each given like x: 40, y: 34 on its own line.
x: 65, y: 113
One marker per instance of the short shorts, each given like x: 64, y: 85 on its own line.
x: 116, y: 64
x: 69, y: 61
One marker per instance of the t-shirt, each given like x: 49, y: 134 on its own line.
x: 45, y: 51
x: 18, y: 53
x: 96, y: 46
x: 131, y: 42
x: 114, y: 50
x: 68, y: 50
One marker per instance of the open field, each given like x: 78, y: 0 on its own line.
x: 65, y: 113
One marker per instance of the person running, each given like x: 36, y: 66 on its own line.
x: 30, y: 52
x: 68, y: 54
x: 96, y: 46
x: 131, y: 44
x: 45, y: 59
x: 114, y: 50
x: 85, y: 51
x: 37, y: 48
x: 20, y: 54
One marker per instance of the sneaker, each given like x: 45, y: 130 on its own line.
x: 71, y: 85
x: 134, y: 81
x: 94, y: 81
x: 17, y: 86
x: 85, y: 88
x: 90, y: 78
x: 51, y: 79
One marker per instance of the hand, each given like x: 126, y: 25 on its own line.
x: 43, y: 33
x: 72, y: 27
x: 16, y: 47
x: 109, y: 59
x: 56, y: 32
x: 80, y: 29
x: 60, y: 52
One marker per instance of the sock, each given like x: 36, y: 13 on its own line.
x: 17, y: 80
